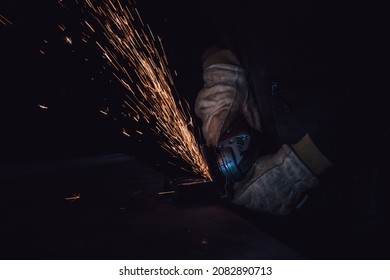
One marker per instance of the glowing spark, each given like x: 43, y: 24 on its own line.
x: 68, y: 40
x: 43, y: 106
x: 125, y: 133
x: 60, y: 2
x: 5, y: 21
x: 73, y: 198
x: 41, y: 51
x: 139, y: 132
x: 139, y: 17
x: 140, y: 64
x: 166, y: 192
x: 90, y: 27
x: 105, y: 111
x: 185, y: 169
x: 62, y: 27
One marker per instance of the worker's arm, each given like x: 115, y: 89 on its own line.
x: 275, y: 183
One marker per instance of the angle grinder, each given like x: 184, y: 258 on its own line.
x: 235, y: 152
x: 228, y: 162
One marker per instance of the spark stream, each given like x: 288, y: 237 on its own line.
x: 159, y: 271
x: 139, y: 63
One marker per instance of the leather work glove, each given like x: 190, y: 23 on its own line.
x: 275, y: 183
x: 224, y: 96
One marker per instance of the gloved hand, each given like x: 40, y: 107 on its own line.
x: 275, y: 183
x: 224, y: 96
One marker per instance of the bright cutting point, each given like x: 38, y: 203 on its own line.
x: 139, y: 63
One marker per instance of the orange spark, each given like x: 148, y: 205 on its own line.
x: 73, y: 198
x: 43, y: 106
x: 125, y: 133
x: 90, y: 27
x: 5, y: 21
x: 140, y: 64
x: 60, y: 2
x: 68, y: 40
x: 62, y: 27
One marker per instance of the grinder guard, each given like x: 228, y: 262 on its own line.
x: 235, y: 153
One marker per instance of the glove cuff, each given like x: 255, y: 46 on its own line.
x: 300, y: 176
x: 311, y: 155
x: 224, y: 56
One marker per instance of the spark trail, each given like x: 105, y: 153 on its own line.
x: 140, y: 64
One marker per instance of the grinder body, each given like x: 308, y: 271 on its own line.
x: 235, y: 153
